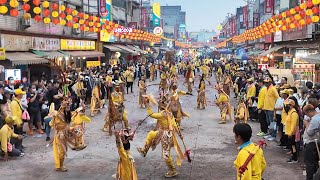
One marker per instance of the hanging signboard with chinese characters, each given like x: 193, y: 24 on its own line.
x: 123, y: 30
x: 67, y: 44
x: 16, y: 42
x: 102, y: 7
x: 269, y: 5
x: 93, y: 63
x: 45, y: 44
x: 156, y: 9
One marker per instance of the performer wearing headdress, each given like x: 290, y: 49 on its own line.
x: 223, y: 104
x: 189, y: 78
x: 242, y: 113
x: 142, y: 91
x: 219, y: 74
x: 201, y: 100
x: 152, y: 71
x: 205, y: 71
x: 174, y: 105
x: 126, y: 169
x: 165, y: 133
x: 95, y: 98
x: 61, y: 124
x: 163, y: 82
x: 227, y: 84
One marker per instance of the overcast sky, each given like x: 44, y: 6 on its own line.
x: 205, y: 14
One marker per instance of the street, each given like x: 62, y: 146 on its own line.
x: 213, y: 149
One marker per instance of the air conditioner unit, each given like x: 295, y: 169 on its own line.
x: 25, y: 23
x: 76, y: 31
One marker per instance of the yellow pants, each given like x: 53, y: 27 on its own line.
x: 223, y: 112
x: 59, y: 152
x: 165, y: 153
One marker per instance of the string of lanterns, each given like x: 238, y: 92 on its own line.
x: 66, y: 16
x: 302, y: 15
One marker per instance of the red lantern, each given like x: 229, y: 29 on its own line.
x: 309, y: 4
x: 95, y: 24
x: 297, y: 24
x: 75, y: 19
x: 36, y: 2
x: 81, y: 28
x: 62, y: 15
x: 68, y: 10
x: 302, y: 14
x: 26, y: 7
x: 98, y: 19
x: 91, y: 18
x: 297, y: 8
x: 309, y: 20
x: 292, y: 18
x: 3, y: 1
x: 86, y: 23
x: 55, y: 21
x: 14, y: 12
x: 69, y: 24
x: 55, y: 6
x: 91, y: 29
x: 284, y: 21
x: 288, y: 13
x: 315, y: 10
x: 279, y: 16
x: 103, y: 26
x: 46, y: 12
x: 37, y: 18
x: 81, y: 15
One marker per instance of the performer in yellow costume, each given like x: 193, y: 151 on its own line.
x: 201, y: 100
x: 142, y: 92
x: 205, y: 71
x: 117, y: 99
x: 60, y: 123
x: 223, y: 104
x: 251, y: 92
x: 163, y: 82
x: 126, y: 169
x: 242, y: 113
x: 95, y: 99
x: 219, y: 74
x: 165, y: 133
x: 152, y: 71
x: 189, y: 78
x: 174, y: 105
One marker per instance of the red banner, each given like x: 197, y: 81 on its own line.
x: 102, y: 7
x: 144, y: 17
x: 269, y: 5
x: 245, y: 17
x: 256, y: 20
x: 234, y: 32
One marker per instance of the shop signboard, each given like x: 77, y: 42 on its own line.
x: 156, y: 9
x: 2, y: 54
x: 14, y: 73
x: 269, y: 5
x: 102, y: 7
x: 67, y: 44
x: 263, y: 66
x: 93, y: 63
x: 278, y: 36
x: 45, y: 44
x: 16, y: 42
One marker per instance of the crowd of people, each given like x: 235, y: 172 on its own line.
x: 286, y: 114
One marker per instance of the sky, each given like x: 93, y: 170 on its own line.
x: 204, y: 14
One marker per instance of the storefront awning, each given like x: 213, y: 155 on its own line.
x: 137, y: 49
x: 124, y: 47
x: 265, y: 53
x: 49, y: 54
x: 114, y: 49
x: 86, y: 54
x: 313, y: 58
x: 24, y: 58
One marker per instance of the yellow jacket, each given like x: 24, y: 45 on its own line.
x: 222, y: 98
x: 204, y: 69
x: 16, y: 111
x: 251, y: 91
x: 284, y: 114
x: 129, y: 76
x: 291, y: 122
x: 161, y: 118
x: 261, y: 97
x: 117, y: 97
x: 126, y: 169
x: 6, y: 133
x: 79, y: 87
x: 109, y: 79
x: 219, y: 70
x: 256, y: 166
x: 227, y: 66
x: 271, y: 98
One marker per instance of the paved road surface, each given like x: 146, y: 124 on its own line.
x: 213, y: 150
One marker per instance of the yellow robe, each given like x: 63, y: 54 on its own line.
x: 255, y: 167
x: 95, y: 100
x: 224, y: 106
x: 78, y: 121
x: 126, y: 169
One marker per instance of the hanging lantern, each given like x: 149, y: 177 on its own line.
x: 63, y: 22
x: 75, y: 13
x: 69, y: 24
x: 297, y: 17
x: 26, y: 7
x: 95, y: 18
x: 302, y: 22
x: 288, y: 13
x: 45, y: 4
x: 81, y: 28
x: 91, y: 18
x: 315, y: 10
x: 98, y: 25
x: 297, y: 9
x: 81, y: 21
x: 37, y: 10
x: 36, y: 2
x: 14, y: 12
x: 308, y: 20
x: 303, y: 6
x: 68, y: 10
x: 302, y: 14
x: 55, y: 14
x: 315, y: 19
x: 62, y: 8
x: 80, y: 14
x: 86, y: 23
x: 91, y: 24
x: 86, y: 16
x: 95, y: 29
x: 69, y: 17
x: 315, y: 2
x: 76, y: 26
x: 3, y: 2
x: 91, y: 29
x: 309, y: 4
x: 75, y: 19
x: 292, y: 26
x: 3, y: 9
x: 46, y: 12
x: 25, y: 1
x: 103, y: 20
x: 309, y: 12
x: 37, y: 18
x: 46, y: 20
x: 86, y: 28
x: 26, y: 16
x: 55, y: 6
x: 14, y: 3
x: 62, y: 15
x: 55, y: 21
x: 292, y: 11
x: 98, y: 20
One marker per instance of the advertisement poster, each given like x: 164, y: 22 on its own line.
x: 15, y: 73
x: 77, y: 45
x: 156, y: 17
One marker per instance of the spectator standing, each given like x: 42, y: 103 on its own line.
x: 34, y: 109
x: 270, y: 100
x: 16, y: 110
x: 261, y: 112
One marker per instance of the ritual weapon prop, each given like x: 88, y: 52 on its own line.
x: 243, y: 168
